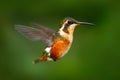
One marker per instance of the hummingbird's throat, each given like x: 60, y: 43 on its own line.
x: 68, y: 29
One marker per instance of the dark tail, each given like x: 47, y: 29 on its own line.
x: 36, y: 61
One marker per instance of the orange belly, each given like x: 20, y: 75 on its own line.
x: 59, y: 48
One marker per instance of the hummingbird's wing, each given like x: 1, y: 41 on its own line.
x: 37, y: 32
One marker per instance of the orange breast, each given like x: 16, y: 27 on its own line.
x: 59, y: 48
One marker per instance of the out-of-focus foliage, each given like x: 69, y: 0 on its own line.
x: 94, y: 55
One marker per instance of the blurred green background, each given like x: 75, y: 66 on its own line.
x: 94, y: 55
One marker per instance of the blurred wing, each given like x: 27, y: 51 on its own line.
x: 37, y: 33
x: 40, y: 27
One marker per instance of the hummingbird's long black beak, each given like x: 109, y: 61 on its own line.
x: 86, y: 23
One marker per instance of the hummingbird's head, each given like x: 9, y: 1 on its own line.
x: 69, y: 24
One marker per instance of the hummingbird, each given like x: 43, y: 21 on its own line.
x: 57, y: 43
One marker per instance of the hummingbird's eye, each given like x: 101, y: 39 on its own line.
x: 70, y: 22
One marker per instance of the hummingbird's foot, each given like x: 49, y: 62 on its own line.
x: 45, y: 53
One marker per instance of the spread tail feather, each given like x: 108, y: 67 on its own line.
x: 36, y: 61
x: 43, y: 58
